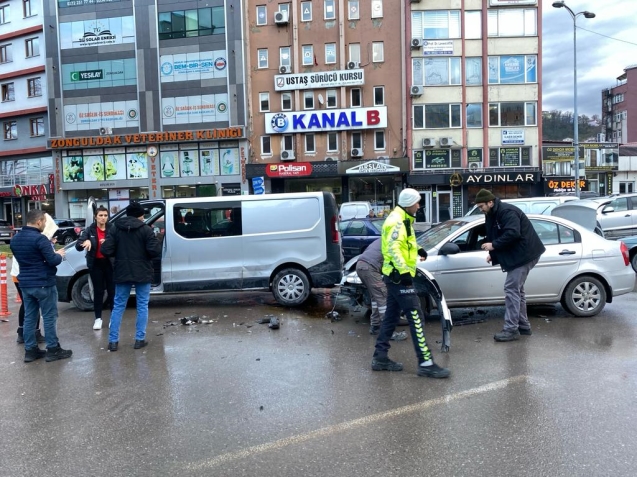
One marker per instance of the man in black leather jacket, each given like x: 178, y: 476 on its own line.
x: 513, y: 244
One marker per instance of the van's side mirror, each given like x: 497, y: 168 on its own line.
x: 608, y: 209
x: 449, y: 248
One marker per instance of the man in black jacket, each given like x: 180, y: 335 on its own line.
x: 513, y: 244
x: 133, y: 245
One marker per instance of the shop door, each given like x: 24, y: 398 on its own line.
x: 444, y: 206
x: 424, y: 213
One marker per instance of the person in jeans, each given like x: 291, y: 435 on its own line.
x: 368, y: 269
x: 400, y: 255
x: 133, y: 245
x: 38, y: 265
x: 15, y: 271
x: 512, y: 243
x: 99, y: 266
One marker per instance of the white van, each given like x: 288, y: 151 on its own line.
x: 285, y: 243
x: 354, y: 210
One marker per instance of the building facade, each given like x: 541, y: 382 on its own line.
x: 147, y: 100
x: 619, y: 104
x: 326, y: 98
x: 474, y: 78
x: 26, y: 165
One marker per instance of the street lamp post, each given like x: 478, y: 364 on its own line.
x: 561, y: 4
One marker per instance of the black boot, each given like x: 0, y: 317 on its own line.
x: 53, y: 354
x: 20, y: 339
x: 33, y: 354
x: 39, y: 338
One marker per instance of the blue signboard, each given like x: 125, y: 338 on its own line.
x: 258, y: 185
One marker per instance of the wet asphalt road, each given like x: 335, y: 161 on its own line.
x: 233, y: 398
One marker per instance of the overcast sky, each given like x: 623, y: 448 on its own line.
x: 600, y: 60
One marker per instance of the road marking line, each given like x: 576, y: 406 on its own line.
x: 362, y: 421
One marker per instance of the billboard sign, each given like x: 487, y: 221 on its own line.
x: 325, y: 79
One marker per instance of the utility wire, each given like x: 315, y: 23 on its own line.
x: 606, y: 36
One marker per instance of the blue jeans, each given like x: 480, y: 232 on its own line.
x: 36, y: 299
x: 122, y: 292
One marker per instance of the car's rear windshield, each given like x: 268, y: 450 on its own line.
x: 436, y: 234
x: 378, y: 225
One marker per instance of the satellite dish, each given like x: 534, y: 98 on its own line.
x: 320, y: 99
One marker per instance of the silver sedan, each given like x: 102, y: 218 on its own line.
x: 579, y: 269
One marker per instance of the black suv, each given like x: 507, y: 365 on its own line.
x: 68, y: 231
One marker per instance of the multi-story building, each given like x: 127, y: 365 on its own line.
x: 25, y: 163
x: 146, y: 100
x: 326, y: 98
x: 474, y: 77
x: 619, y: 103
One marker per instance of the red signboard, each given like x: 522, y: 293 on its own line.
x: 296, y: 169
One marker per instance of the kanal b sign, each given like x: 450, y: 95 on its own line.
x: 325, y: 120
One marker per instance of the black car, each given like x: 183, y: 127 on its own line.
x: 357, y: 234
x: 69, y: 230
x: 6, y: 231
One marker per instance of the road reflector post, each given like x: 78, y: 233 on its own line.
x: 4, y: 302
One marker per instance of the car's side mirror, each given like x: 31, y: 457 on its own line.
x: 608, y: 209
x: 449, y: 249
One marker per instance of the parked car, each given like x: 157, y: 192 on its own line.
x: 532, y: 205
x: 357, y: 234
x: 68, y: 231
x: 354, y: 210
x: 579, y: 269
x: 631, y: 243
x: 6, y: 231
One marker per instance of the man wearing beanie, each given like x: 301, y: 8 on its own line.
x: 400, y: 254
x: 133, y: 245
x: 513, y: 244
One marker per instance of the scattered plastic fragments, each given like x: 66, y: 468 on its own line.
x: 332, y: 315
x: 399, y: 336
x: 274, y: 323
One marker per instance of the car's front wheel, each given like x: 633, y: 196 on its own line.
x: 81, y: 294
x: 291, y: 287
x: 67, y: 240
x: 585, y: 296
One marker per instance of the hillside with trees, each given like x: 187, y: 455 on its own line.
x: 558, y: 126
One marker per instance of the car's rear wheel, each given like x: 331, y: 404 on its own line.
x: 291, y: 287
x: 633, y: 262
x: 67, y: 240
x: 81, y: 294
x: 584, y: 296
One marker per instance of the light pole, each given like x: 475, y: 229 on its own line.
x: 561, y: 4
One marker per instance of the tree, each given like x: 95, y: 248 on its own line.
x: 558, y: 126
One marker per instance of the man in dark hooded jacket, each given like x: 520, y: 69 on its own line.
x: 513, y: 244
x: 133, y: 245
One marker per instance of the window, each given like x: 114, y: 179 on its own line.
x: 474, y: 115
x: 192, y: 23
x: 357, y: 140
x: 37, y: 126
x: 436, y: 71
x: 512, y: 114
x: 287, y: 142
x: 512, y: 69
x: 378, y: 52
x: 473, y: 25
x: 308, y: 55
x: 310, y: 145
x: 332, y: 142
x: 10, y: 130
x: 266, y: 147
x: 473, y: 71
x: 437, y: 116
x: 379, y: 140
x: 436, y: 24
x: 331, y: 98
x: 308, y: 100
x: 379, y: 95
x: 306, y: 11
x: 30, y: 8
x: 5, y: 53
x: 284, y: 8
x: 286, y: 101
x: 329, y: 10
x: 264, y: 102
x: 356, y: 96
x: 330, y: 53
x: 512, y: 22
x: 34, y: 87
x: 193, y: 221
x: 4, y: 14
x: 32, y: 47
x: 377, y: 8
x: 8, y: 92
x: 553, y: 234
x: 262, y: 15
x: 355, y: 52
x: 262, y: 58
x: 353, y: 9
x: 284, y: 56
x: 509, y: 156
x: 626, y: 187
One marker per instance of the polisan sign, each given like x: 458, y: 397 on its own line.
x: 289, y: 170
x: 35, y: 192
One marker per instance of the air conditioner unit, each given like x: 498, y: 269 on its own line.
x: 352, y: 65
x: 356, y: 152
x: 446, y: 141
x: 105, y: 131
x: 330, y: 159
x: 284, y: 70
x: 416, y: 43
x: 417, y: 90
x: 281, y: 18
x: 429, y: 142
x: 287, y: 155
x: 475, y: 167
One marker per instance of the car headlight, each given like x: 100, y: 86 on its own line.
x: 352, y: 279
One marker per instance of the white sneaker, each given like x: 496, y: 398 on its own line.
x: 98, y: 324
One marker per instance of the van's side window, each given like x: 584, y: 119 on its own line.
x: 194, y: 221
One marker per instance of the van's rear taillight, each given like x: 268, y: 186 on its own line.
x: 78, y: 230
x: 334, y: 223
x: 625, y: 253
